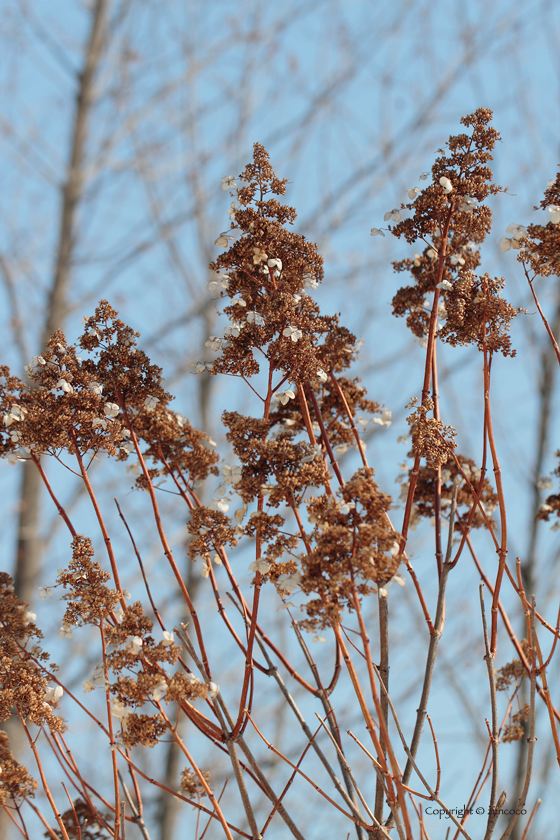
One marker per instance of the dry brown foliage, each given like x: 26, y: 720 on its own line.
x: 315, y: 528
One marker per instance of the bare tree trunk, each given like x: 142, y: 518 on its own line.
x: 28, y: 550
x: 549, y: 368
x: 28, y: 542
x: 168, y: 806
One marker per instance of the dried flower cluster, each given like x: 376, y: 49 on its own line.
x: 472, y: 490
x: 300, y: 494
x: 541, y: 244
x: 24, y: 685
x: 515, y: 730
x: 451, y: 220
x: 15, y: 782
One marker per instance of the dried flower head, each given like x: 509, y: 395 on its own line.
x: 191, y: 784
x: 15, y: 782
x: 23, y: 682
x: 269, y: 270
x: 542, y: 248
x: 350, y: 549
x: 449, y: 217
x: 430, y: 438
x: 453, y: 482
x: 82, y: 822
x: 90, y: 601
x: 515, y: 730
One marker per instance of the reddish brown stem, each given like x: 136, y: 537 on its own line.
x: 324, y: 436
x: 163, y: 539
x: 144, y: 578
x: 350, y: 417
x: 507, y: 624
x: 66, y: 762
x: 502, y: 552
x: 307, y: 779
x: 434, y: 739
x: 46, y: 788
x: 112, y: 739
x: 437, y: 482
x: 106, y: 538
x: 59, y: 507
x: 541, y: 313
x: 182, y: 798
x: 427, y: 373
x: 289, y: 782
x: 198, y: 772
x: 396, y: 775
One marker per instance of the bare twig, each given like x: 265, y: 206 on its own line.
x: 432, y: 793
x: 433, y: 644
x: 136, y: 816
x: 183, y: 634
x: 531, y: 740
x: 489, y: 657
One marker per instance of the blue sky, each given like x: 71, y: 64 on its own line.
x: 351, y: 99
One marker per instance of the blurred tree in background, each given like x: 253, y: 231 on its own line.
x: 119, y: 119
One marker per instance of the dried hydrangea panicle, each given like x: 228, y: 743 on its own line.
x: 449, y: 476
x: 13, y: 412
x: 136, y: 666
x: 211, y: 529
x: 90, y: 601
x: 431, y: 440
x: 23, y: 684
x: 351, y: 549
x: 476, y: 314
x: 551, y: 505
x: 74, y: 405
x: 512, y: 672
x: 515, y: 730
x: 277, y: 468
x: 174, y: 447
x: 90, y: 822
x: 15, y: 782
x: 191, y: 784
x: 542, y: 248
x: 116, y: 396
x: 450, y: 207
x: 268, y: 269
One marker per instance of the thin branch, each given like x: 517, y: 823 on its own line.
x: 260, y: 776
x: 331, y: 719
x: 273, y: 671
x: 384, y: 671
x: 436, y: 751
x: 306, y: 777
x: 530, y: 820
x: 44, y: 783
x: 136, y: 816
x: 432, y: 793
x: 209, y: 793
x: 531, y: 740
x: 489, y: 658
x: 541, y: 313
x: 433, y: 645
